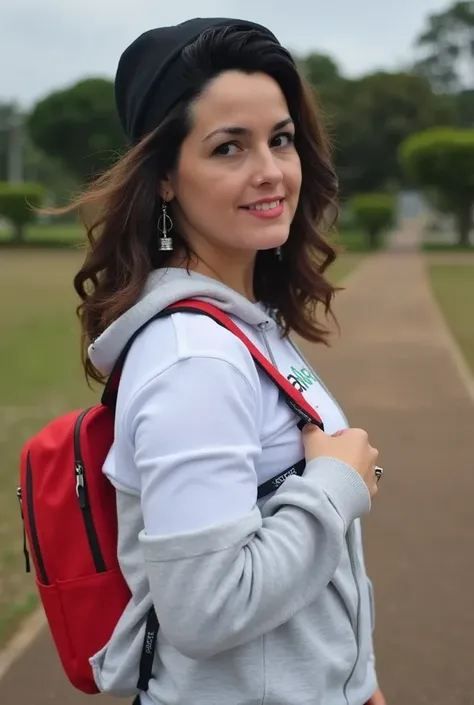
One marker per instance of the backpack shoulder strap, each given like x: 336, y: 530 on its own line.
x: 292, y: 396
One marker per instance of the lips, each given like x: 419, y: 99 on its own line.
x: 264, y: 205
x: 268, y: 210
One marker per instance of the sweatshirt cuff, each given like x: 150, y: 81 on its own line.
x: 344, y: 487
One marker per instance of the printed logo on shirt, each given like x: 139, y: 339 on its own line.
x: 302, y: 379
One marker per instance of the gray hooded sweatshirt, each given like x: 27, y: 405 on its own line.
x: 260, y: 601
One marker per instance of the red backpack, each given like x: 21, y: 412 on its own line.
x: 70, y: 519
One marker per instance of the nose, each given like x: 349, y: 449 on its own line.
x: 267, y: 169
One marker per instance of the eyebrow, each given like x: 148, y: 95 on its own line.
x: 234, y: 130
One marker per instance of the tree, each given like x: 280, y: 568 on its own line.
x: 79, y: 127
x: 321, y: 70
x: 17, y: 202
x: 448, y: 46
x: 369, y: 119
x: 443, y: 160
x: 373, y: 213
x: 464, y: 107
x: 60, y: 183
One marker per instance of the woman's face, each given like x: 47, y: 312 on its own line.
x: 237, y: 182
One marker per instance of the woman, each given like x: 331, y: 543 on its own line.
x: 221, y: 197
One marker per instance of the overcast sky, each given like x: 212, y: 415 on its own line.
x: 49, y: 44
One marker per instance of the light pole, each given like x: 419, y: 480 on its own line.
x: 13, y: 126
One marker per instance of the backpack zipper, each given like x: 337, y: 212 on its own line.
x: 25, y: 546
x: 35, y: 545
x: 83, y: 498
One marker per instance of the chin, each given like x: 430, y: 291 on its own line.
x: 277, y: 238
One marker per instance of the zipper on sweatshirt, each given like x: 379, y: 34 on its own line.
x: 350, y: 534
x: 351, y: 551
x: 263, y: 327
x: 83, y: 498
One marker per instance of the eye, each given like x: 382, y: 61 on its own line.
x: 228, y: 149
x: 284, y: 139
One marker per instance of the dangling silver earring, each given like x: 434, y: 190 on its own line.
x: 278, y: 253
x: 165, y: 225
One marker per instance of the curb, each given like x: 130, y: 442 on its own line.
x: 457, y: 355
x: 28, y: 632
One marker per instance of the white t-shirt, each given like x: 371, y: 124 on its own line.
x: 195, y: 417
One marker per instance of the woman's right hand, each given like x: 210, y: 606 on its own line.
x: 350, y: 445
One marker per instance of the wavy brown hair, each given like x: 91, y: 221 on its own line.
x: 121, y: 208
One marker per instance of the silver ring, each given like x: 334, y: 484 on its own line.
x: 378, y: 472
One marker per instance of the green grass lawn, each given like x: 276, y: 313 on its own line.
x: 342, y: 267
x: 453, y: 286
x: 352, y: 239
x: 53, y: 236
x: 40, y: 378
x: 446, y: 247
x: 67, y: 234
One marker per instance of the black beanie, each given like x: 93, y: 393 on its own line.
x: 150, y: 80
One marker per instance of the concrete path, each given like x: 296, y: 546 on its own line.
x: 394, y: 372
x: 407, y: 237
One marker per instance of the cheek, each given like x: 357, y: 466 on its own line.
x: 294, y: 179
x: 191, y: 193
x: 204, y: 202
x: 297, y: 174
x: 212, y: 192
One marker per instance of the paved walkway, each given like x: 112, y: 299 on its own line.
x: 407, y: 237
x: 394, y: 373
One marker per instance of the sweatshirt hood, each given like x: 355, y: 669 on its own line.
x: 163, y: 288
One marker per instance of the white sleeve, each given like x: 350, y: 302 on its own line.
x: 196, y: 439
x: 195, y: 435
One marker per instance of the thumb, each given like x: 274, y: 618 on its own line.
x: 311, y: 428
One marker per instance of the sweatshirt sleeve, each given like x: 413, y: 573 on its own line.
x: 220, y: 574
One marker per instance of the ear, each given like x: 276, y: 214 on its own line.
x: 165, y: 189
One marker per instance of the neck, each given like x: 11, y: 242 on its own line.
x: 235, y: 270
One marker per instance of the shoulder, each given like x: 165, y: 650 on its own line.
x: 181, y: 341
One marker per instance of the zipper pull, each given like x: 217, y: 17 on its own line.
x: 80, y: 485
x: 25, y: 548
